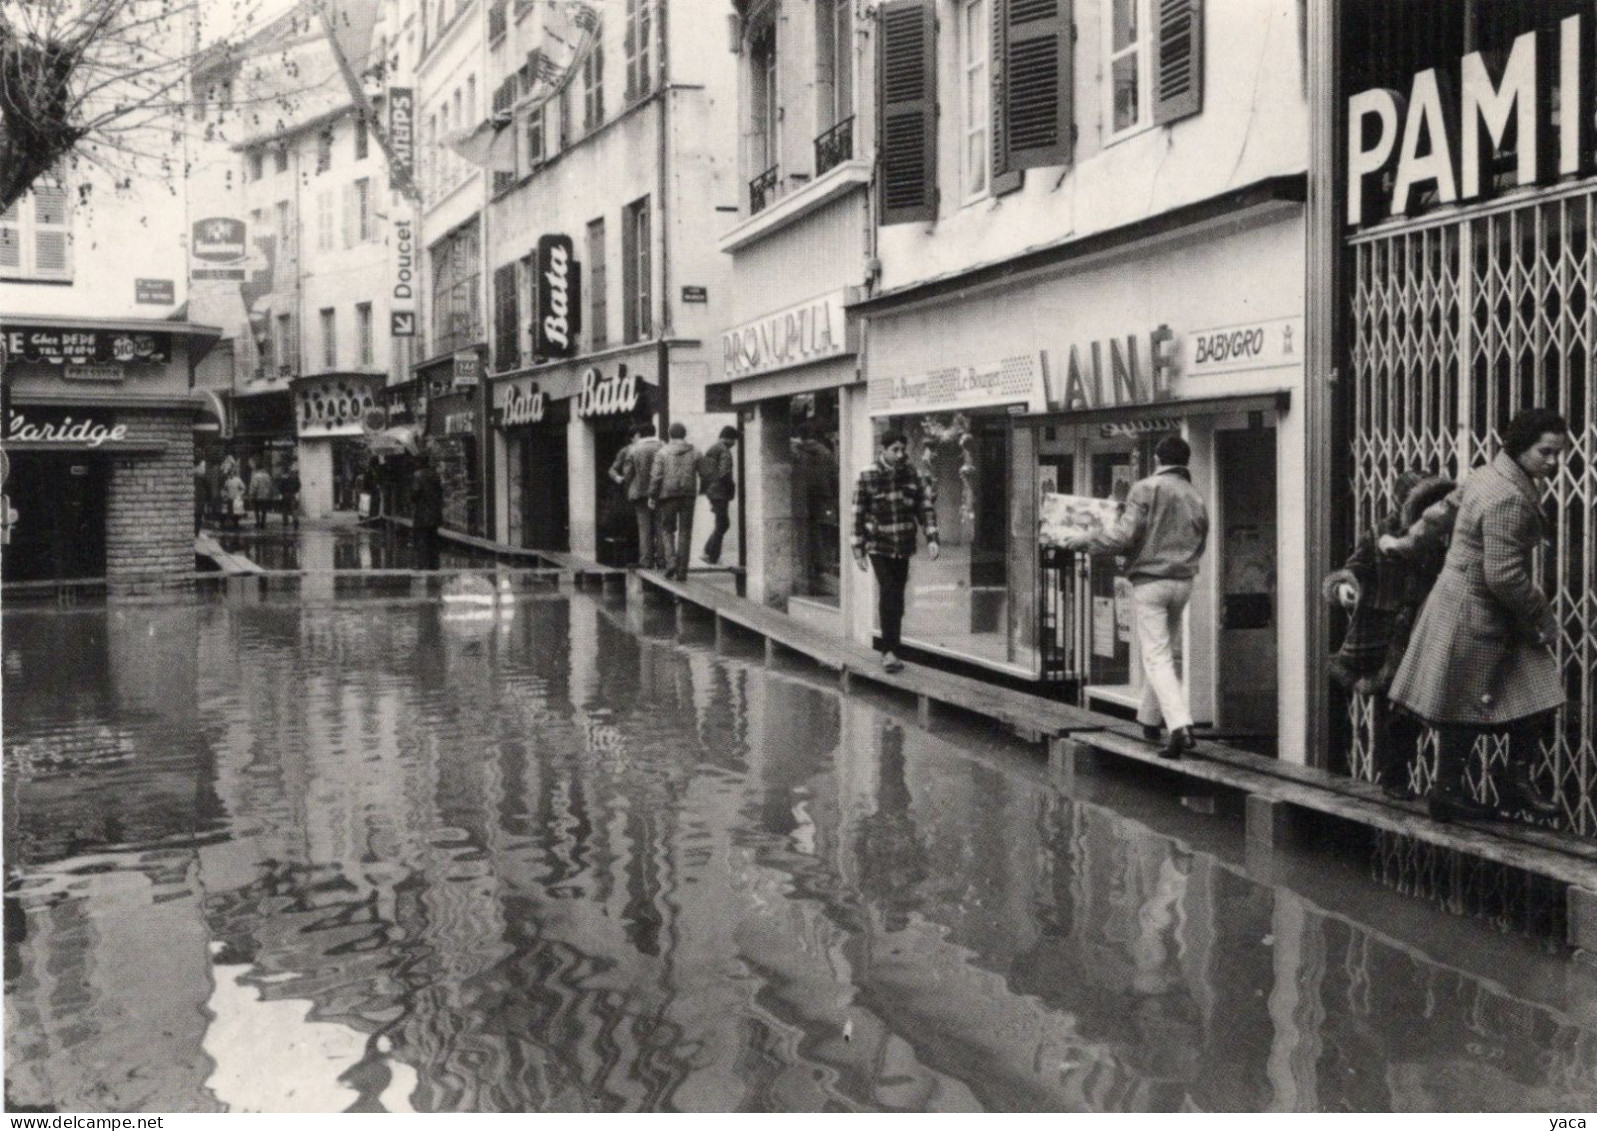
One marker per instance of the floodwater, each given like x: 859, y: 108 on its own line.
x: 340, y: 545
x: 381, y: 855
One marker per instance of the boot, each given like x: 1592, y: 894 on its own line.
x: 1450, y: 799
x: 1519, y: 793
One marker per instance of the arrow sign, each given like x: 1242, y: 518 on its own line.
x: 402, y: 323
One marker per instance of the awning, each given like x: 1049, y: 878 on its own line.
x: 400, y: 439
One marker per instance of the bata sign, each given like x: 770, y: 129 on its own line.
x: 1442, y: 142
x: 522, y: 407
x: 607, y: 396
x: 811, y: 331
x: 559, y: 298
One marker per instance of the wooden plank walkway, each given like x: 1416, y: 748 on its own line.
x: 228, y: 563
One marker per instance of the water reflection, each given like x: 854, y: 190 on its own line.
x: 365, y: 856
x: 343, y: 546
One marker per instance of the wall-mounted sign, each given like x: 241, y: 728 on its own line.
x: 607, y: 396
x: 402, y: 135
x: 155, y: 292
x: 1267, y: 344
x: 218, y: 239
x: 85, y: 431
x: 1012, y: 381
x: 559, y: 319
x: 81, y: 347
x: 467, y: 370
x: 402, y: 323
x: 811, y: 331
x: 334, y: 406
x: 1114, y: 373
x: 106, y: 373
x: 1540, y: 99
x: 695, y: 294
x: 463, y: 423
x: 1146, y: 426
x: 522, y: 406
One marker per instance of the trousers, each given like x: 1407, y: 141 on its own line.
x: 892, y: 576
x: 648, y: 534
x: 1156, y: 608
x: 723, y: 523
x: 676, y: 531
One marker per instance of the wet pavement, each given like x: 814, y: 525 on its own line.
x: 386, y: 855
x: 338, y: 543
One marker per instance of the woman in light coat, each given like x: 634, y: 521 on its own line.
x: 1480, y: 658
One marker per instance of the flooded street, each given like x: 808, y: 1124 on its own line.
x: 381, y: 855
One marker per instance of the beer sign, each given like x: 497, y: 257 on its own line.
x: 559, y: 317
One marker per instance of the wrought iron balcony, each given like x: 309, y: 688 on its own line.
x: 762, y: 189
x: 835, y: 146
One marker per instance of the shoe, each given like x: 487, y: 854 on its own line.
x: 891, y: 662
x: 1152, y: 733
x: 1449, y: 799
x: 1520, y: 793
x: 709, y: 561
x: 1181, y: 742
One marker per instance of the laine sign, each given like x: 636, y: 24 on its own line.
x: 1447, y: 142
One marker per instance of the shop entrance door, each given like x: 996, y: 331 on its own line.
x: 60, y: 499
x: 545, y: 492
x: 1114, y: 670
x: 1243, y: 540
x: 617, y: 525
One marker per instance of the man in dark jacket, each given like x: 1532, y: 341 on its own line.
x: 891, y: 499
x: 720, y: 487
x: 674, y: 489
x: 1162, y: 532
x: 631, y: 471
x: 288, y: 488
x: 426, y: 512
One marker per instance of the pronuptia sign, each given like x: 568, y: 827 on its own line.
x: 1443, y: 136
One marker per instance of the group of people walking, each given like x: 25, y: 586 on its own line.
x: 662, y: 482
x: 228, y: 490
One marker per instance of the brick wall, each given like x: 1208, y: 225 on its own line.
x: 149, y: 524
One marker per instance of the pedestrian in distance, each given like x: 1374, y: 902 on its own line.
x: 1162, y: 531
x: 202, y: 487
x: 1481, y: 660
x: 288, y: 489
x: 262, y: 494
x: 1383, y: 594
x: 674, y: 490
x: 892, y: 499
x: 426, y: 512
x: 717, y: 474
x: 233, y: 503
x: 632, y: 472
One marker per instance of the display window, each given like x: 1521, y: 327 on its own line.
x: 816, y: 467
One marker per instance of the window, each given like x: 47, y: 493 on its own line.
x: 974, y: 50
x: 253, y: 161
x: 598, y: 301
x: 324, y: 149
x: 324, y: 220
x: 497, y: 23
x: 360, y: 225
x: 763, y: 103
x: 639, y: 31
x: 363, y: 334
x: 1155, y: 62
x: 834, y: 61
x: 535, y: 150
x: 280, y: 158
x: 907, y: 111
x: 635, y: 269
x: 507, y: 326
x: 329, y: 338
x: 287, y: 347
x: 457, y: 313
x: 282, y: 221
x: 362, y: 138
x: 257, y: 221
x: 36, y: 235
x: 593, y: 90
x: 1126, y: 63
x: 564, y: 99
x: 527, y: 291
x: 429, y: 156
x: 470, y: 120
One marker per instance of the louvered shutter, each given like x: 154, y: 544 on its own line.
x: 11, y: 237
x: 907, y: 97
x: 1177, y: 60
x: 507, y: 338
x: 1033, y: 91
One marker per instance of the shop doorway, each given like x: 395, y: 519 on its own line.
x: 617, y: 525
x: 1243, y: 541
x: 60, y: 499
x: 545, y: 492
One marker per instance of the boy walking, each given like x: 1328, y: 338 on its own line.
x: 890, y: 499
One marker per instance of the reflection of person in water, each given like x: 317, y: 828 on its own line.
x: 891, y: 857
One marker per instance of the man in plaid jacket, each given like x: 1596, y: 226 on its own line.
x: 890, y: 499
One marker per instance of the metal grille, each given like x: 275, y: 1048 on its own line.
x: 1459, y: 323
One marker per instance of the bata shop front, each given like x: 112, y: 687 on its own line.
x: 1024, y: 392
x: 100, y: 444
x: 558, y: 428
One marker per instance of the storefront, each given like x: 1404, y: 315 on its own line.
x: 786, y: 373
x: 1061, y: 384
x: 1469, y: 292
x: 452, y: 447
x: 591, y: 405
x: 331, y: 412
x: 100, y: 444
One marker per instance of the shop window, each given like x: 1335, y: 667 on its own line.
x: 813, y: 441
x: 36, y: 233
x: 907, y: 110
x: 1154, y: 51
x: 363, y: 333
x: 598, y: 301
x: 639, y: 34
x: 636, y: 267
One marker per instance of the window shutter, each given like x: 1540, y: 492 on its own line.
x: 507, y: 337
x: 1178, y: 60
x: 1033, y: 87
x: 349, y: 215
x: 907, y: 96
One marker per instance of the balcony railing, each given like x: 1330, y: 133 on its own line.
x: 835, y: 146
x: 762, y: 189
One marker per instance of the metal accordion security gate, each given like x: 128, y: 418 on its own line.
x: 1459, y: 322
